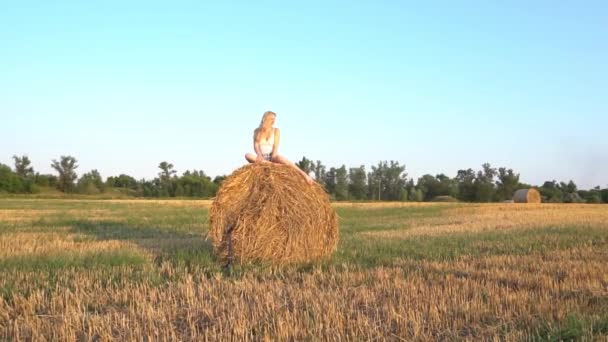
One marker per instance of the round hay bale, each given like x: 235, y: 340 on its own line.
x: 526, y: 196
x: 268, y: 212
x: 444, y: 198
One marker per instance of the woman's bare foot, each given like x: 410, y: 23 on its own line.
x: 306, y: 176
x: 309, y: 180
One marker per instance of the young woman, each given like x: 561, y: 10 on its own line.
x: 266, y: 145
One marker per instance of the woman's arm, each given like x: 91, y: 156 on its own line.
x: 277, y: 139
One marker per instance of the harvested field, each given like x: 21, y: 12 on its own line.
x: 143, y: 269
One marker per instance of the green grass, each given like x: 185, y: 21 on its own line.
x: 354, y: 220
x: 576, y: 327
x: 71, y: 260
x: 372, y: 252
x: 176, y: 234
x: 361, y: 250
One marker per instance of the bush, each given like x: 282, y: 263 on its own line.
x: 573, y: 198
x: 604, y: 195
x: 10, y: 182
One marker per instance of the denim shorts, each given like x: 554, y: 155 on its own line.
x: 267, y: 156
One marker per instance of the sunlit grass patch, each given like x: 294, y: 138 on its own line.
x: 372, y: 250
x: 49, y: 241
x: 61, y: 260
x: 360, y: 219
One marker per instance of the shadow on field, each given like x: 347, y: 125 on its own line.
x: 166, y: 245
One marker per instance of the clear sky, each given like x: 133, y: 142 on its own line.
x: 436, y: 85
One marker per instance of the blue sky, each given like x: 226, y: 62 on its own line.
x: 438, y: 86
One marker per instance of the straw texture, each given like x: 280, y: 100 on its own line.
x: 268, y: 212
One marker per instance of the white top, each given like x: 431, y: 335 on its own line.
x: 266, y: 145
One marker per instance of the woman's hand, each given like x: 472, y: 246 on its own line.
x: 259, y: 159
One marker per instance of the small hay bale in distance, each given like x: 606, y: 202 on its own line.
x: 268, y: 212
x: 444, y: 198
x: 526, y: 196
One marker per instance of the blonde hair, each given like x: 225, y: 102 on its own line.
x: 262, y: 129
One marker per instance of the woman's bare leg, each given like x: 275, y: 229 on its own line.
x: 283, y: 160
x: 250, y: 157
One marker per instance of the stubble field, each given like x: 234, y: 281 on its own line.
x: 133, y: 270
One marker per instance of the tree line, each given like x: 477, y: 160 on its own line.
x: 23, y: 179
x: 386, y: 181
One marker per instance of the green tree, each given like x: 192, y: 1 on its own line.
x: 592, y: 196
x: 440, y: 185
x: 341, y: 184
x: 395, y: 181
x: 466, y: 185
x: 484, y: 184
x: 330, y: 181
x: 166, y: 171
x: 507, y: 184
x: 90, y: 183
x: 570, y: 187
x: 165, y: 180
x: 20, y: 181
x: 197, y: 184
x: 415, y: 195
x: 403, y: 197
x: 573, y: 197
x: 570, y: 191
x: 374, y: 182
x: 67, y: 175
x: 429, y: 186
x: 23, y: 167
x: 386, y: 181
x: 45, y: 180
x: 357, y: 187
x: 551, y: 192
x: 122, y: 181
x: 447, y: 186
x: 9, y: 181
x: 179, y: 190
x: 218, y: 180
x: 604, y: 195
x: 306, y: 165
x: 319, y: 170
